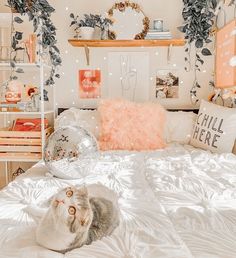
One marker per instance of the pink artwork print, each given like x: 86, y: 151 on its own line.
x: 89, y: 84
x: 226, y: 50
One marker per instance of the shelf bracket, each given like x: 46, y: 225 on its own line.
x: 87, y: 54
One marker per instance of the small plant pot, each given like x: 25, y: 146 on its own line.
x: 87, y: 32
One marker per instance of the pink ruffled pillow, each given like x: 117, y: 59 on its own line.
x: 131, y: 126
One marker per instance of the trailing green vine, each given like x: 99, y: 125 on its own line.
x: 39, y: 12
x: 199, y: 20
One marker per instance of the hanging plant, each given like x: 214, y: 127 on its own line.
x: 199, y: 20
x: 39, y: 12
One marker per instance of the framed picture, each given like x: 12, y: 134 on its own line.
x: 225, y: 51
x: 167, y: 84
x: 128, y: 75
x: 89, y: 84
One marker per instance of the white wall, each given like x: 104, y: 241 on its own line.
x: 170, y: 11
x: 74, y: 58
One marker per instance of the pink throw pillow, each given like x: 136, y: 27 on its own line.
x: 131, y: 126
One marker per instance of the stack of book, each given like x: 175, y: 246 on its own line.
x: 155, y: 34
x: 12, y: 107
x: 29, y: 124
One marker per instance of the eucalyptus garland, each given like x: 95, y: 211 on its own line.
x: 198, y: 27
x: 39, y: 12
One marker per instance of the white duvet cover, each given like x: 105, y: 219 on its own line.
x: 175, y: 203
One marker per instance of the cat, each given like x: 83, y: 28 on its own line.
x: 74, y: 219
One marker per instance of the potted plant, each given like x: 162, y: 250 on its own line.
x: 103, y: 23
x: 85, y: 27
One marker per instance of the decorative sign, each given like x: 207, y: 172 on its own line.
x: 89, y: 84
x: 225, y: 51
x: 208, y: 129
x: 214, y: 129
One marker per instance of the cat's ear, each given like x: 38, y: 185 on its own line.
x: 83, y: 191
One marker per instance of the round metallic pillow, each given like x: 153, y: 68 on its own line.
x: 65, y: 148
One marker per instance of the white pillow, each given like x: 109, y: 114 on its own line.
x: 88, y: 119
x: 179, y: 126
x: 215, y: 128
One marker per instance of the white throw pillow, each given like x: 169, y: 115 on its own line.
x: 179, y: 126
x: 88, y: 119
x: 215, y: 128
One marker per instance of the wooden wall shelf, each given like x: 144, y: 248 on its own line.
x: 86, y: 44
x: 127, y: 43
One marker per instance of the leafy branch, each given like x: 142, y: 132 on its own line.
x: 39, y: 12
x: 90, y: 20
x: 199, y: 20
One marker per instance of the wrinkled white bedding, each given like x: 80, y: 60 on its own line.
x: 175, y: 203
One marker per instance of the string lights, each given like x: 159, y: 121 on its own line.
x: 104, y: 58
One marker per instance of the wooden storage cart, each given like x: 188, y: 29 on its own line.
x: 18, y: 145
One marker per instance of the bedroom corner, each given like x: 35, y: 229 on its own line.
x: 118, y: 128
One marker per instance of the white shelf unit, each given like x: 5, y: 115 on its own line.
x: 39, y: 68
x: 46, y: 112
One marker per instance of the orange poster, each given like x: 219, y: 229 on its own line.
x: 225, y: 51
x: 89, y: 84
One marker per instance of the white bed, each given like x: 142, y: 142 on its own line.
x: 175, y: 203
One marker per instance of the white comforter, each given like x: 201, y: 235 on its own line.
x: 175, y: 203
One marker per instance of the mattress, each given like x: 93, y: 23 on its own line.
x: 175, y: 203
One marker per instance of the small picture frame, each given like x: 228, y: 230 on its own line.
x: 90, y: 84
x: 167, y: 84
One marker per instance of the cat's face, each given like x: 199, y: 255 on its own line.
x: 71, y: 207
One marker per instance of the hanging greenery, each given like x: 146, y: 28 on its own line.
x: 39, y: 12
x: 198, y: 28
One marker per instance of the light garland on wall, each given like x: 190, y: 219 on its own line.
x: 156, y: 53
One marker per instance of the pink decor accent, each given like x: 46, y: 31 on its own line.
x: 131, y: 126
x: 225, y: 51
